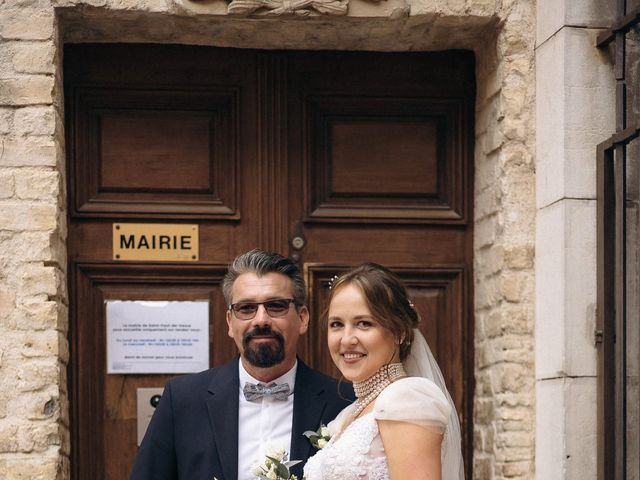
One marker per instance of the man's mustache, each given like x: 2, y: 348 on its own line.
x: 261, y: 332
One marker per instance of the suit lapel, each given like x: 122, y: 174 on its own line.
x: 308, y: 407
x: 223, y: 416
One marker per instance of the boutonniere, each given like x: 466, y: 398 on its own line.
x: 318, y: 438
x: 275, y: 466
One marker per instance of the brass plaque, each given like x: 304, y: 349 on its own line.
x: 155, y: 242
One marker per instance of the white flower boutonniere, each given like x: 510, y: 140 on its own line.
x: 275, y: 466
x: 318, y: 438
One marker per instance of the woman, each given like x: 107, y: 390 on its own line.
x: 403, y: 424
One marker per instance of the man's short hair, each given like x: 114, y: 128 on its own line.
x: 260, y: 263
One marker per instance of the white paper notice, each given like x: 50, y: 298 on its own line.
x: 157, y: 337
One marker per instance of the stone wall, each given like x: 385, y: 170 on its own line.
x: 575, y: 106
x: 33, y: 296
x: 33, y: 300
x: 504, y: 251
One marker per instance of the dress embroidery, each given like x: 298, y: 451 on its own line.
x: 356, y: 454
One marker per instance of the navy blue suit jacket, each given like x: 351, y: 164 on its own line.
x: 193, y: 434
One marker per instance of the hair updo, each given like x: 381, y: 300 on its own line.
x: 386, y: 298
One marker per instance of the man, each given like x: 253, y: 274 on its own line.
x: 217, y: 423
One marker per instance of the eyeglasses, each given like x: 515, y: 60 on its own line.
x: 274, y: 308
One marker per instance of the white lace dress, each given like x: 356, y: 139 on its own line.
x: 357, y: 452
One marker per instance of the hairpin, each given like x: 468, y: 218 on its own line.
x: 411, y: 304
x: 332, y: 280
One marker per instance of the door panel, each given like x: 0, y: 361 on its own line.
x: 364, y: 156
x: 381, y: 153
x: 391, y: 159
x: 104, y: 406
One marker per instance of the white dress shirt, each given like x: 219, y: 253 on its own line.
x: 263, y: 423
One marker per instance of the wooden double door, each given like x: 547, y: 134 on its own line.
x: 331, y: 158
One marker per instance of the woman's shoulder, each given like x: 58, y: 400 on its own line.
x: 413, y: 386
x: 416, y: 400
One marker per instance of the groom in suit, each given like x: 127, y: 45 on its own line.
x: 217, y: 423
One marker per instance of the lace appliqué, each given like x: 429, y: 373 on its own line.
x: 356, y: 454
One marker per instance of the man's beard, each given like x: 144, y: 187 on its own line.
x: 263, y: 355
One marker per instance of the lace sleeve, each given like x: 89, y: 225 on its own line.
x: 414, y: 400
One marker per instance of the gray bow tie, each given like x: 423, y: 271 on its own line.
x: 254, y: 392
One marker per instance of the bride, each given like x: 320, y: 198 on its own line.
x: 403, y: 424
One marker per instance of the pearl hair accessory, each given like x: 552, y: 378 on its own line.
x: 367, y: 390
x: 332, y: 280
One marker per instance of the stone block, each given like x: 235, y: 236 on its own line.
x: 565, y: 418
x: 37, y: 467
x: 490, y: 261
x: 487, y: 203
x: 34, y: 57
x: 41, y: 405
x: 487, y: 172
x: 13, y: 21
x: 483, y: 467
x: 487, y: 293
x: 550, y: 292
x: 519, y: 257
x: 220, y: 7
x: 573, y: 115
x: 26, y: 89
x: 23, y: 216
x: 581, y: 287
x: 492, y: 139
x: 37, y: 374
x: 514, y: 379
x: 144, y: 5
x: 553, y: 15
x: 510, y: 319
x: 37, y: 280
x: 453, y: 7
x: 582, y: 429
x: 30, y: 151
x: 566, y: 289
x: 484, y: 411
x: 7, y: 184
x: 36, y: 120
x: 4, y: 401
x: 514, y: 285
x: 6, y: 120
x: 8, y: 436
x: 36, y: 316
x: 487, y: 231
x: 517, y: 469
x: 514, y: 439
x: 37, y: 437
x: 510, y: 349
x: 32, y: 246
x: 41, y: 184
x: 40, y: 344
x: 7, y: 304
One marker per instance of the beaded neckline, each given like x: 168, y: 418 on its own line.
x: 367, y: 390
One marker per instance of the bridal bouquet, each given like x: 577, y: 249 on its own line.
x: 275, y: 466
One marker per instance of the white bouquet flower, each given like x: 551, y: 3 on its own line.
x: 275, y: 466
